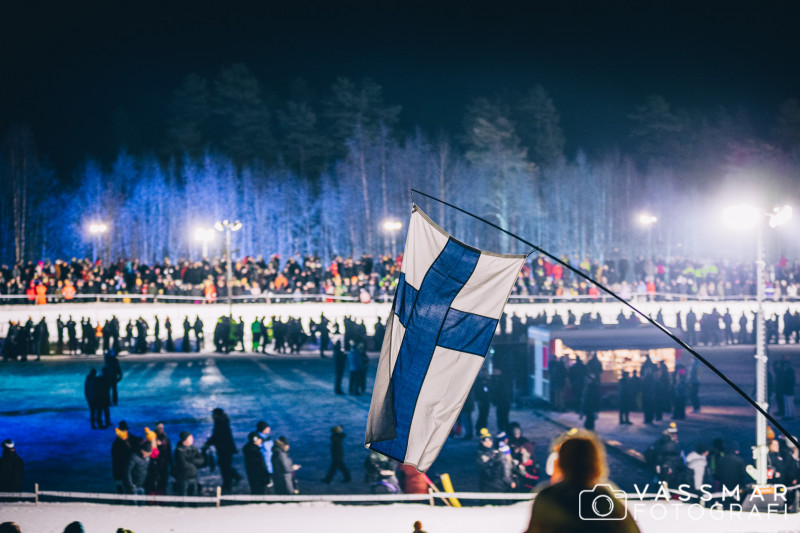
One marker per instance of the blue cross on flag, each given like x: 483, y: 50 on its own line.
x: 448, y: 302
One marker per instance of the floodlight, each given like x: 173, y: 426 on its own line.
x: 204, y: 234
x: 646, y: 219
x: 98, y: 227
x: 741, y: 216
x: 780, y: 216
x: 392, y: 225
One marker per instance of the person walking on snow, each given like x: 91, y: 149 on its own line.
x: 337, y: 456
x: 222, y: 440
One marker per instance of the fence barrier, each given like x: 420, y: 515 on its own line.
x: 296, y: 498
x: 246, y: 498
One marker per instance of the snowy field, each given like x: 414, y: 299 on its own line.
x: 331, y: 518
x: 369, y: 313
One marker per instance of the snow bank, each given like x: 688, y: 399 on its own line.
x: 369, y: 313
x: 652, y: 517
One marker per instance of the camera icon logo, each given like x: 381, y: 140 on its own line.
x: 602, y: 503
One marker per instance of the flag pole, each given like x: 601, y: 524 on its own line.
x: 661, y: 327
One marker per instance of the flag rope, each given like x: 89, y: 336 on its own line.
x: 661, y: 327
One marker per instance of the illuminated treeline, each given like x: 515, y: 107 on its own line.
x: 319, y: 175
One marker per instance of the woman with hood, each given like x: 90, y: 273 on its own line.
x: 283, y: 468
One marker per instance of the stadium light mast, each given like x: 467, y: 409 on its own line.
x: 647, y: 221
x: 204, y: 235
x: 743, y: 217
x: 227, y: 226
x: 392, y: 227
x: 97, y: 229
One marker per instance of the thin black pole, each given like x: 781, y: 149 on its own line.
x: 635, y: 310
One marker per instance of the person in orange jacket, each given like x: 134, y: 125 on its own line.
x: 41, y: 293
x: 68, y: 291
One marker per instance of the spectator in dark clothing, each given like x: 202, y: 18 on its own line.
x: 577, y: 380
x: 664, y: 456
x: 163, y: 462
x: 283, y: 468
x: 480, y: 390
x: 500, y: 389
x: 102, y: 398
x: 324, y: 334
x: 691, y: 323
x: 354, y: 364
x: 775, y: 386
x: 256, y: 469
x: 694, y: 385
x: 625, y: 398
x: 120, y: 456
x: 90, y: 393
x: 186, y: 459
x: 663, y: 391
x: 114, y: 373
x: 74, y: 527
x: 12, y: 469
x: 558, y: 381
x: 494, y: 467
x: 591, y: 401
x: 560, y: 507
x: 742, y: 337
x: 138, y: 468
x: 776, y: 466
x: 679, y: 395
x: 222, y: 440
x: 594, y: 366
x: 730, y: 471
x: 337, y: 456
x: 792, y: 461
x: 185, y: 347
x: 649, y: 392
x: 787, y: 379
x: 339, y: 362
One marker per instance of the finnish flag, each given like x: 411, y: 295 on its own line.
x: 448, y: 302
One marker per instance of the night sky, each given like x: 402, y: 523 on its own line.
x: 67, y: 66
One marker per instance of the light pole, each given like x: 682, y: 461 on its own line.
x: 392, y: 227
x: 97, y: 229
x: 227, y: 226
x: 743, y: 217
x: 204, y: 235
x: 646, y: 220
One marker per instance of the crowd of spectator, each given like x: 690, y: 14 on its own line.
x: 364, y: 279
x: 368, y: 279
x: 657, y: 279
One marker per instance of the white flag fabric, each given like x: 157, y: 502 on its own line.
x: 448, y: 302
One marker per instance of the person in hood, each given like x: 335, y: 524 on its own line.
x: 163, y: 461
x: 12, y: 469
x: 138, y: 468
x: 697, y: 461
x: 186, y: 460
x: 283, y: 468
x: 120, y: 456
x: 254, y: 464
x: 265, y: 431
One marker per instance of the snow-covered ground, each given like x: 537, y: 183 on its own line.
x: 99, y: 312
x: 332, y: 518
